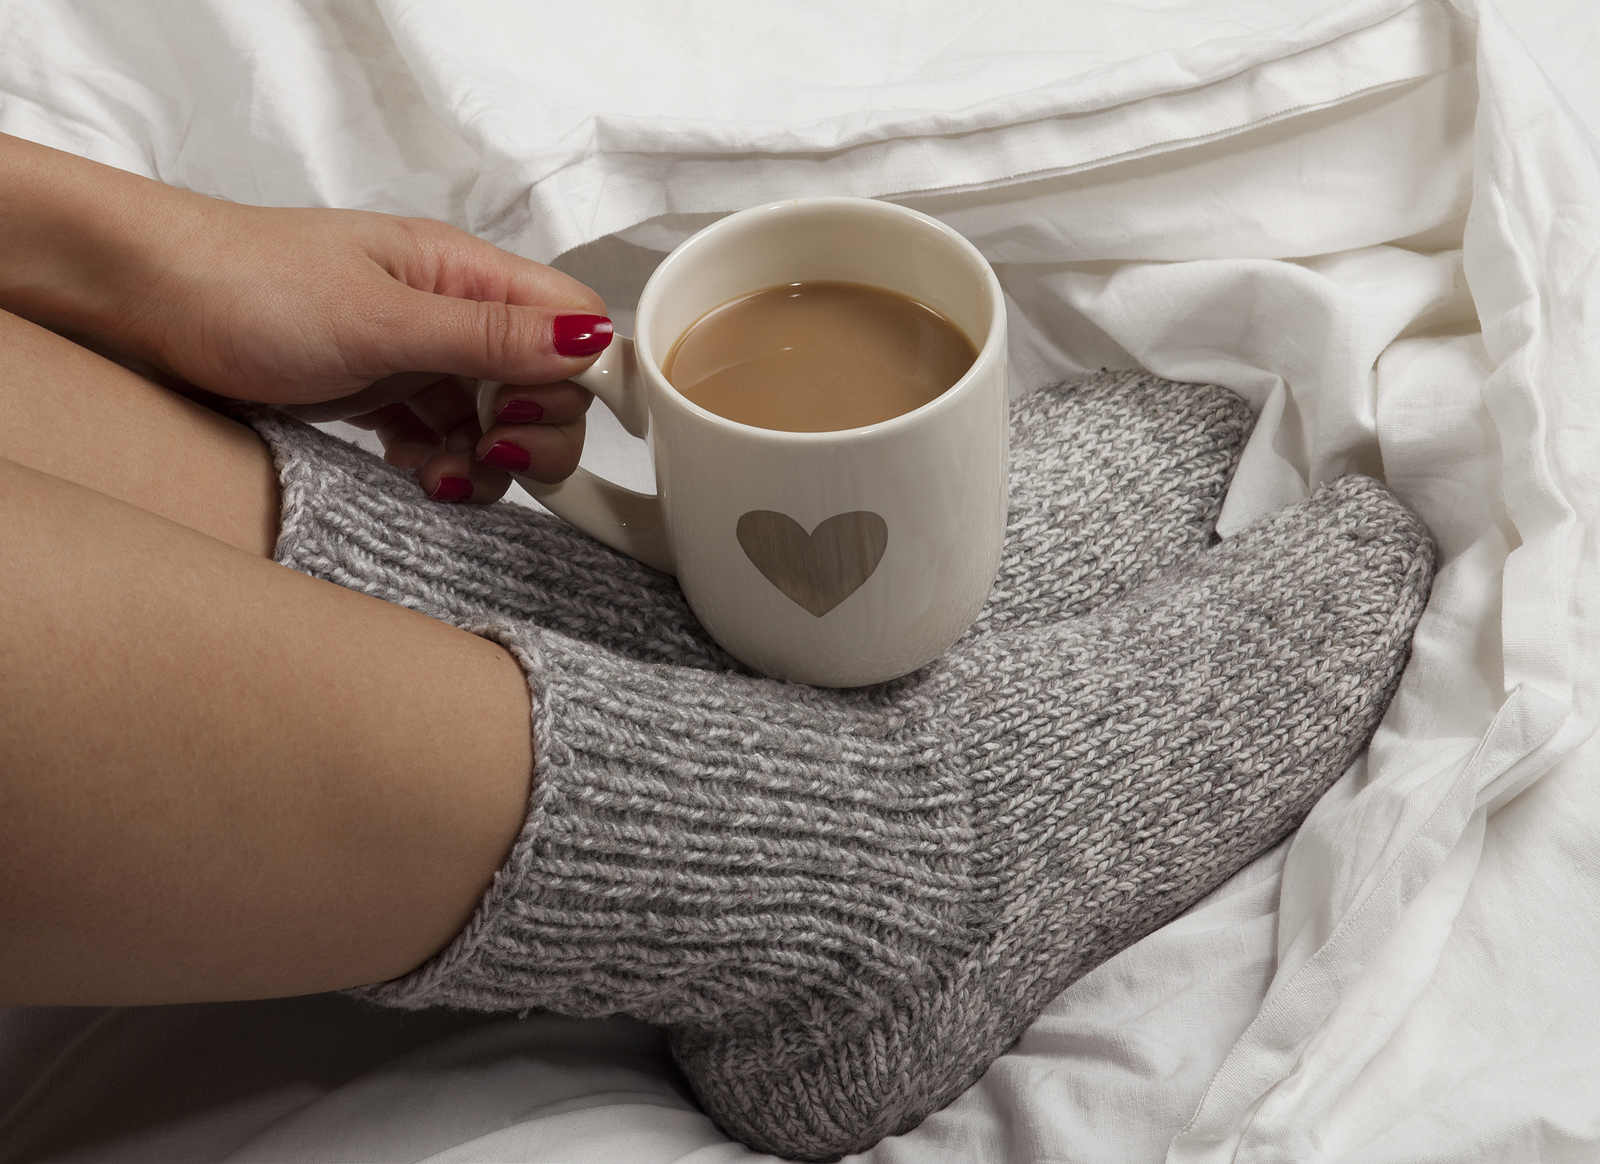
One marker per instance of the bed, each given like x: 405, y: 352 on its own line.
x: 1376, y: 220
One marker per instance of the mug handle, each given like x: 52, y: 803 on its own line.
x: 620, y: 518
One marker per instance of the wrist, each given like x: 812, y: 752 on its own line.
x: 81, y: 245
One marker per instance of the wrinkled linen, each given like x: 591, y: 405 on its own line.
x: 1375, y: 219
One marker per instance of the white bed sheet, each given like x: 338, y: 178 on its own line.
x: 1377, y: 220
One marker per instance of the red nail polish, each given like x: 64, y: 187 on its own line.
x: 505, y: 455
x: 452, y: 489
x: 521, y: 412
x: 580, y: 335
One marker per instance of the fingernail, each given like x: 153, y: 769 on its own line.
x: 505, y: 455
x: 580, y: 335
x: 521, y: 412
x: 452, y: 489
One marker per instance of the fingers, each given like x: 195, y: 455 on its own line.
x: 545, y: 452
x: 433, y: 436
x: 524, y: 404
x: 456, y: 475
x: 540, y: 433
x: 436, y: 436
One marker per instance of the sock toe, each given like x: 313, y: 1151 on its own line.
x: 1113, y: 478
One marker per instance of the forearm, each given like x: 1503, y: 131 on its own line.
x: 84, y: 247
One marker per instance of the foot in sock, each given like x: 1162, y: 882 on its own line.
x: 846, y: 905
x: 1112, y: 479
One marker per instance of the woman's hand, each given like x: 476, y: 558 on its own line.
x: 338, y: 314
x: 386, y: 322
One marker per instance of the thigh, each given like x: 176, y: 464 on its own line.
x: 79, y: 416
x: 220, y: 778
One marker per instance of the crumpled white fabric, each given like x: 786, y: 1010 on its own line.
x: 1375, y: 219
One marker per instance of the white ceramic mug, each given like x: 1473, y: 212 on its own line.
x: 831, y: 558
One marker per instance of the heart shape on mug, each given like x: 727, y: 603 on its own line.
x: 820, y: 569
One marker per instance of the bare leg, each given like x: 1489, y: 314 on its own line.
x: 80, y: 417
x: 218, y: 778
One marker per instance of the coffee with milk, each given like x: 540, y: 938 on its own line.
x: 818, y: 356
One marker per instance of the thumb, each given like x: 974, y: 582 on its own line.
x: 488, y: 339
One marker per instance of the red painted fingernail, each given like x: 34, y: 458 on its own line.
x: 505, y: 455
x: 580, y: 335
x: 452, y: 489
x: 521, y: 412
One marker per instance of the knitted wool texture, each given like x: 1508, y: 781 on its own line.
x: 847, y: 904
x: 1112, y: 479
x: 1117, y: 768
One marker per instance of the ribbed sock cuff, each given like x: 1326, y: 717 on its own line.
x: 698, y: 843
x: 351, y: 519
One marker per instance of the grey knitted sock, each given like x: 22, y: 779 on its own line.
x: 847, y: 904
x: 1113, y: 478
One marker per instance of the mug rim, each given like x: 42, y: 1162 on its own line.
x: 980, y: 364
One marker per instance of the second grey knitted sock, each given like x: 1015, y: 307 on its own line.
x: 847, y: 904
